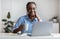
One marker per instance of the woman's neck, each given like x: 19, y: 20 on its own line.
x: 31, y: 17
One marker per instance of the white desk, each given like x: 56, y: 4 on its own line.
x: 15, y: 36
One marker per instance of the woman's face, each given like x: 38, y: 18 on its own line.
x: 31, y: 9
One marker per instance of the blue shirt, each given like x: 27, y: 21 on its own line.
x: 25, y: 20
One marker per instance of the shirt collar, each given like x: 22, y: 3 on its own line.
x: 29, y: 18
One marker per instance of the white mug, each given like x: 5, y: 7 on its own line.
x: 26, y: 27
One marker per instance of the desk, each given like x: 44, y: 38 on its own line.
x: 15, y: 36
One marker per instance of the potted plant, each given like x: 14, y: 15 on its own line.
x: 8, y: 23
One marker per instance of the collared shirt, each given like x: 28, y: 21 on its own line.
x: 25, y: 20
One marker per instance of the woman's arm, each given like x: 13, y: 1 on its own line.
x: 18, y: 29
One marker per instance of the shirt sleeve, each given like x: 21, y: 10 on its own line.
x: 41, y: 20
x: 18, y: 23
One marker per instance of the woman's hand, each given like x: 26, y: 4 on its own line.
x: 38, y: 17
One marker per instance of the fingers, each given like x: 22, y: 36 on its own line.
x: 38, y: 17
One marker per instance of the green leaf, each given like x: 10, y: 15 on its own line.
x: 8, y: 25
x: 4, y: 20
x: 5, y: 23
x: 8, y: 15
x: 7, y: 30
x: 11, y: 22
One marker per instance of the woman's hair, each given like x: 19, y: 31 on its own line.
x: 30, y: 3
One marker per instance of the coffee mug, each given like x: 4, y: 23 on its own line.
x: 26, y: 27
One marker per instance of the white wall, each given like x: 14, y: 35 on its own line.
x: 0, y: 11
x: 0, y: 17
x: 45, y: 8
x: 59, y: 13
x: 59, y: 10
x: 6, y: 6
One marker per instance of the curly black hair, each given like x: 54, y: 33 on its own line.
x: 30, y: 3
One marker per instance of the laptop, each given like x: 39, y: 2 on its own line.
x: 42, y: 29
